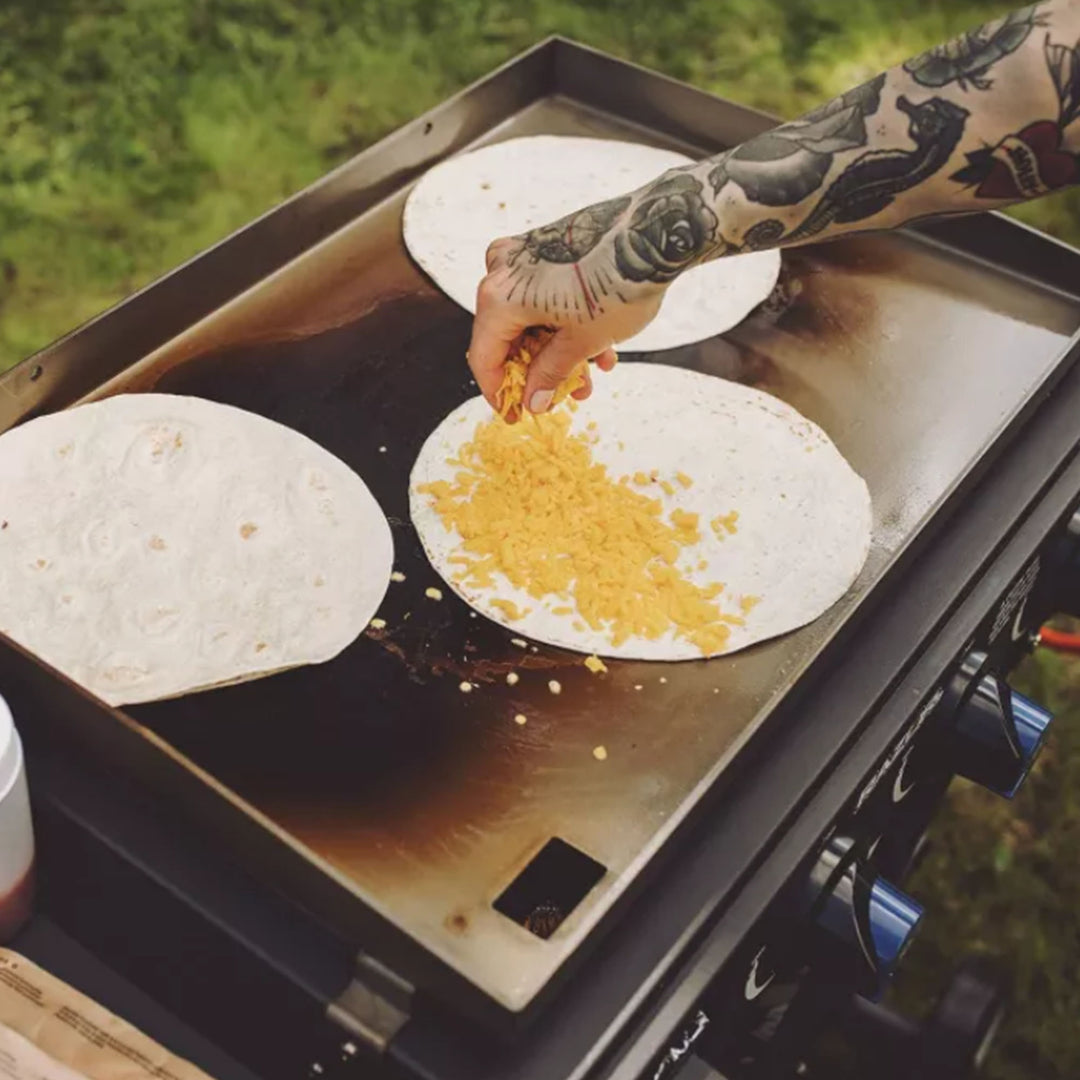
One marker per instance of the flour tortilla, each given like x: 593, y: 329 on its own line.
x: 803, y: 531
x: 464, y: 203
x: 153, y: 545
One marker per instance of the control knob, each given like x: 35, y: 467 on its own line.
x: 862, y: 909
x: 1001, y: 732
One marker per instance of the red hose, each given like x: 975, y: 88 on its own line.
x: 1059, y: 639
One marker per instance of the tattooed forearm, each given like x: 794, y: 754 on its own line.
x: 785, y: 165
x: 873, y: 181
x: 989, y: 118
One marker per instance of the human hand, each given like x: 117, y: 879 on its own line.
x: 555, y: 278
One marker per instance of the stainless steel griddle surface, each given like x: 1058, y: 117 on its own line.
x: 426, y: 802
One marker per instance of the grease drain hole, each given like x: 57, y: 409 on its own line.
x: 553, y: 883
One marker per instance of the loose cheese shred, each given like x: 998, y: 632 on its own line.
x: 595, y: 664
x: 684, y: 480
x: 511, y: 393
x: 510, y: 609
x: 530, y: 504
x: 725, y: 524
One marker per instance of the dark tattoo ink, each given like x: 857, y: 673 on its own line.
x: 871, y: 182
x: 968, y: 59
x: 572, y: 238
x: 762, y: 235
x: 1032, y: 161
x: 669, y: 228
x: 785, y: 165
x: 1063, y: 61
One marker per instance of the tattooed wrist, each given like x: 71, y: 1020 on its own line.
x: 670, y: 226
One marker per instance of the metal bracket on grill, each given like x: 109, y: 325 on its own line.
x: 374, y: 1006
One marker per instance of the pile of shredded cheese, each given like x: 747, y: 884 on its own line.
x: 511, y: 392
x: 530, y: 503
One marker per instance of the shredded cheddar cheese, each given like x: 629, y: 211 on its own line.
x: 511, y: 393
x: 724, y: 524
x: 595, y: 664
x: 529, y: 503
x: 510, y: 609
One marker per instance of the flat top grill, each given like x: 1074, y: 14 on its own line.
x: 425, y: 803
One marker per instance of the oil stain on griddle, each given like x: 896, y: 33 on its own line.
x: 387, y: 715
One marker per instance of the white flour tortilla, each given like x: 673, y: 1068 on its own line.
x: 123, y: 556
x: 464, y: 203
x: 803, y: 531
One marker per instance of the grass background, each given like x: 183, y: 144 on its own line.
x: 137, y: 132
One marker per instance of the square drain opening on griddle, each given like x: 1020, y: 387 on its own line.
x: 554, y: 882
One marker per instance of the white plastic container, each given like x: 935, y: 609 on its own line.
x: 16, y: 832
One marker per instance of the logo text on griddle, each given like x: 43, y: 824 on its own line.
x: 1015, y: 597
x: 901, y: 746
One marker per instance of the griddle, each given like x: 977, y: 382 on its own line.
x: 371, y: 789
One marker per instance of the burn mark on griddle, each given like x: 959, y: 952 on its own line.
x: 457, y: 923
x: 385, y: 717
x: 422, y: 664
x: 826, y: 293
x: 866, y: 254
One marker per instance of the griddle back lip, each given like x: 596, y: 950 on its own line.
x: 106, y: 346
x: 545, y: 66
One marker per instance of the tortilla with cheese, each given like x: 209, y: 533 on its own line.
x: 673, y: 515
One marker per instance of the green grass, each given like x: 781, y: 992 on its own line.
x: 137, y: 132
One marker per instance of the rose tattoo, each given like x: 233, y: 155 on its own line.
x: 668, y: 229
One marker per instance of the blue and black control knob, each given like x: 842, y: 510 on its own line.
x: 999, y: 731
